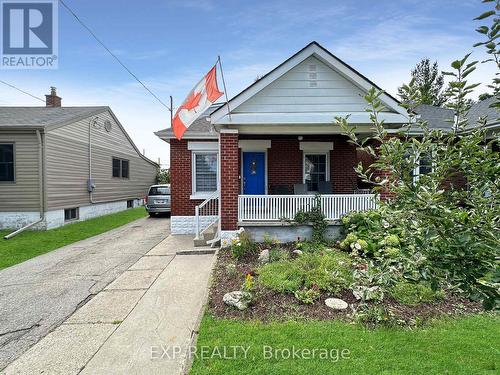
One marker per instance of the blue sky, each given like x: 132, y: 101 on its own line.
x: 171, y: 44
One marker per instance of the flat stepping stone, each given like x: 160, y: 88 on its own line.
x: 336, y: 303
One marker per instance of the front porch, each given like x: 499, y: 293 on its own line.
x: 266, y: 180
x: 254, y: 209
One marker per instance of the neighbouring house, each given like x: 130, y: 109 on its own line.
x: 64, y: 164
x: 489, y: 112
x: 263, y: 156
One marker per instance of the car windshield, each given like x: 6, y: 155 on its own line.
x: 159, y: 190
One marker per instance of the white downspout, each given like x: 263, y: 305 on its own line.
x: 40, y: 189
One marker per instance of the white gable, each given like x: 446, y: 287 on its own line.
x: 312, y: 87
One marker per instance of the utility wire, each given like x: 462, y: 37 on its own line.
x: 24, y: 92
x: 112, y: 54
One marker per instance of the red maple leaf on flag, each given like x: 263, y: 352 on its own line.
x: 192, y: 101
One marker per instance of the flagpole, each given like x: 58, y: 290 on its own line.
x: 225, y: 89
x: 171, y: 110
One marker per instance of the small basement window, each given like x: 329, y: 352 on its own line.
x: 71, y: 214
x: 120, y: 168
x: 7, y: 162
x: 130, y: 203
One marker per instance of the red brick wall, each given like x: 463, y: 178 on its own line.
x: 284, y: 160
x: 285, y: 167
x: 181, y: 180
x: 229, y: 182
x: 343, y: 159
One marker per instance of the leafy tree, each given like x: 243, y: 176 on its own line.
x: 163, y: 176
x: 484, y: 96
x: 456, y: 229
x: 491, y: 34
x: 429, y: 83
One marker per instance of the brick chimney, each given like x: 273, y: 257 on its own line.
x: 52, y: 100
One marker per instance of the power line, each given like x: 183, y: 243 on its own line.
x: 112, y: 54
x: 24, y: 92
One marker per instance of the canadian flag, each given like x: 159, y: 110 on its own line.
x: 204, y: 94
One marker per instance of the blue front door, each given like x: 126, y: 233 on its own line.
x: 254, y: 174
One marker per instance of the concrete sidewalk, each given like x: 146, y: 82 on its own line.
x: 156, y: 303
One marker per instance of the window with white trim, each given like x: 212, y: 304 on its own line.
x: 423, y: 166
x: 315, y: 169
x: 204, y: 172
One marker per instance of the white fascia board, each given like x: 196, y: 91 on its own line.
x: 308, y: 118
x: 316, y: 146
x: 254, y: 144
x: 203, y: 146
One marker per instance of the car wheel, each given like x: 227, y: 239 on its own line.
x: 152, y: 214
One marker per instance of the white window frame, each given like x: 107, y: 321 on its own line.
x: 416, y: 170
x: 202, y: 194
x: 327, y: 155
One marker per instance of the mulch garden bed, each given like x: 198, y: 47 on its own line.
x: 270, y: 305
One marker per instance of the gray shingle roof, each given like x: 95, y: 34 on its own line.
x: 483, y: 109
x: 43, y: 116
x: 436, y: 117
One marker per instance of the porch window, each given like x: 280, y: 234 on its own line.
x: 204, y: 172
x: 315, y: 169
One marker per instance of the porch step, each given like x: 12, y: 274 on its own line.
x: 207, y: 235
x: 200, y: 242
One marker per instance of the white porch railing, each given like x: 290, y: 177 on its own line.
x: 278, y: 207
x: 208, y: 210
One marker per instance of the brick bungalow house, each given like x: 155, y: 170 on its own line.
x: 262, y: 157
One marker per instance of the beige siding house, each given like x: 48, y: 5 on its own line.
x: 61, y: 164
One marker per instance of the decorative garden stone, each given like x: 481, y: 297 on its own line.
x: 237, y: 299
x: 298, y: 252
x: 264, y: 256
x: 336, y: 303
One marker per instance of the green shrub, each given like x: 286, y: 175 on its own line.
x: 242, y: 246
x: 414, y: 293
x: 374, y: 315
x: 308, y: 295
x: 315, y: 218
x: 276, y: 254
x: 310, y: 246
x: 280, y: 276
x: 330, y: 272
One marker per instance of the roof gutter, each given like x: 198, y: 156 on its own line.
x: 41, y: 189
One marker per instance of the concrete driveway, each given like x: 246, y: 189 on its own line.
x: 38, y: 295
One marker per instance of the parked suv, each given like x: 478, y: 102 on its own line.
x: 158, y: 199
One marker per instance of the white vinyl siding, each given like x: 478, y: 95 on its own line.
x: 310, y: 86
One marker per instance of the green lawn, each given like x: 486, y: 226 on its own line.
x: 463, y: 346
x: 30, y: 244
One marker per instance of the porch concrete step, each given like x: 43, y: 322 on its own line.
x: 199, y: 242
x: 210, y: 235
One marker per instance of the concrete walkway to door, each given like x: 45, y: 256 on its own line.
x: 156, y: 304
